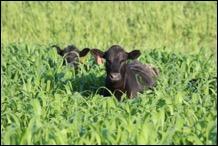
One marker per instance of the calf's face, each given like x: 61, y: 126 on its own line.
x: 71, y: 54
x: 116, y: 59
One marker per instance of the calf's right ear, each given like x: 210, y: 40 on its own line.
x: 84, y: 52
x: 99, y: 55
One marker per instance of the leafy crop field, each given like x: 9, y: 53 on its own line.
x: 43, y: 102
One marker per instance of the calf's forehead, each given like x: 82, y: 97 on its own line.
x: 115, y: 53
x: 71, y: 50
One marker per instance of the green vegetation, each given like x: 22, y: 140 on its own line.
x: 44, y: 102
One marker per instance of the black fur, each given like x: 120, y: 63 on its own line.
x: 71, y: 54
x: 124, y: 77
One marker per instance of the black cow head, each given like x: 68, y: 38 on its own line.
x: 71, y: 54
x: 116, y: 59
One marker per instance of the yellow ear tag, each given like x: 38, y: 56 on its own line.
x: 99, y: 60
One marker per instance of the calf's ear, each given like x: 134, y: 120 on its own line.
x: 99, y: 56
x: 59, y: 51
x: 84, y: 52
x: 134, y: 54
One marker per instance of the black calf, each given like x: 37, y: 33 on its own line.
x: 123, y: 76
x: 71, y: 54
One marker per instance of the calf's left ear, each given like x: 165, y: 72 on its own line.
x: 84, y: 52
x: 134, y: 54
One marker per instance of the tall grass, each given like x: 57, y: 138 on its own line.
x: 44, y: 102
x: 180, y: 26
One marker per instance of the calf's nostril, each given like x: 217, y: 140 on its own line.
x: 115, y: 76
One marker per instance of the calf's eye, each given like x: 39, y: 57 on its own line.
x: 122, y: 61
x: 108, y: 61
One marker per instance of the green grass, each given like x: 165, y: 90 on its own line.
x: 44, y: 102
x: 176, y: 25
